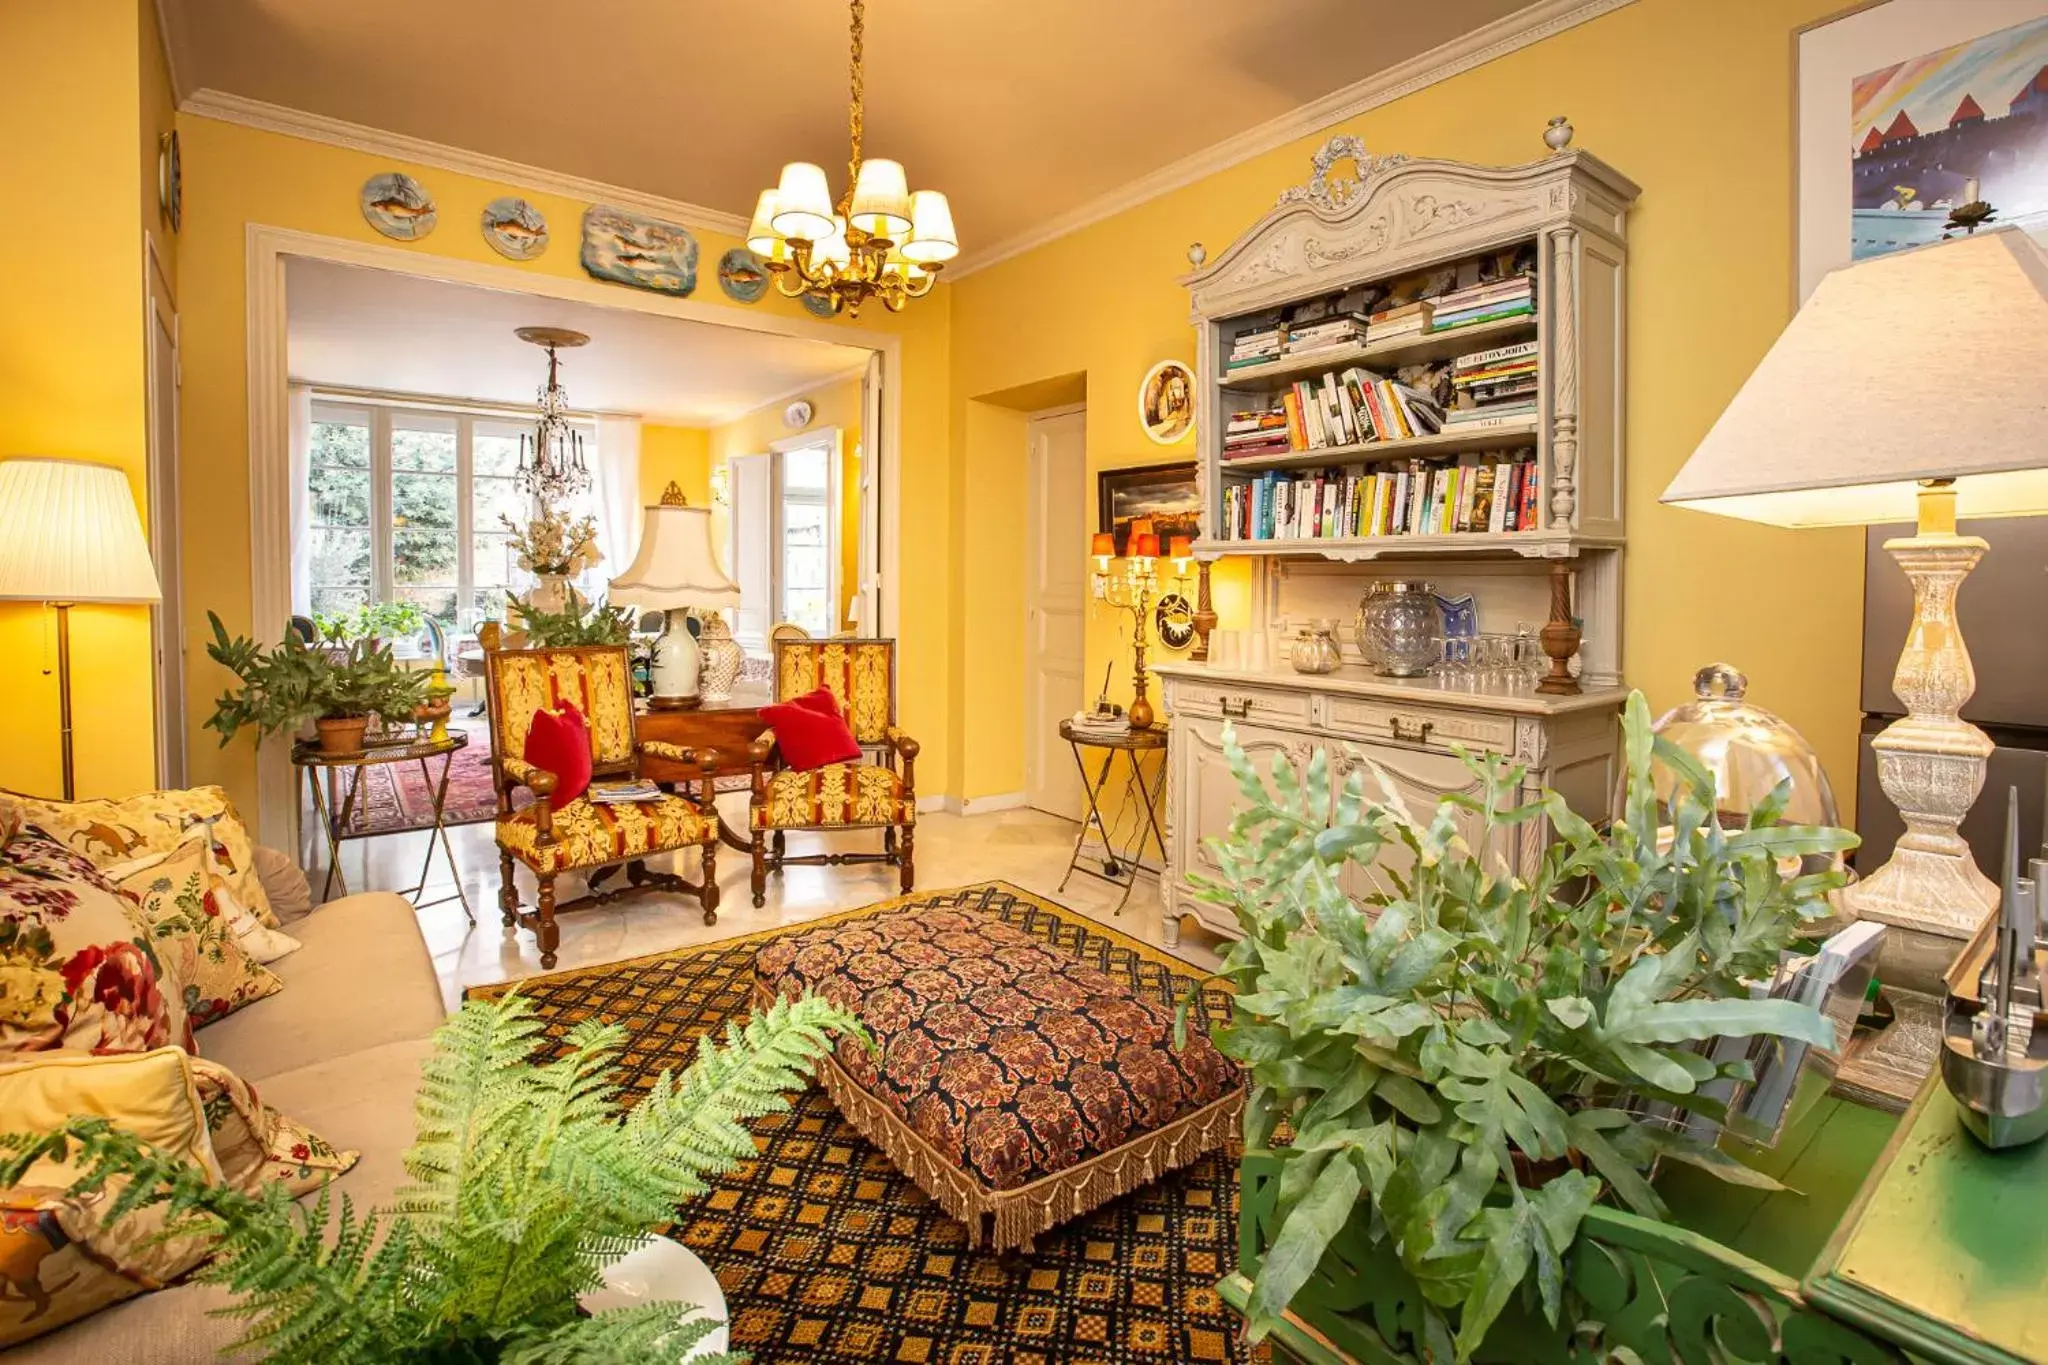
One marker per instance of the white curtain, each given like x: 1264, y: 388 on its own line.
x: 299, y: 412
x: 618, y: 492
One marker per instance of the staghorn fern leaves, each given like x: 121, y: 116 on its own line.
x: 526, y: 1181
x: 1436, y: 1049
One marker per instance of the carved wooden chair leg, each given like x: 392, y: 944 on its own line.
x: 508, y: 892
x: 781, y: 850
x: 636, y: 872
x: 546, y: 931
x: 889, y: 843
x: 708, y: 893
x: 909, y: 878
x: 759, y: 880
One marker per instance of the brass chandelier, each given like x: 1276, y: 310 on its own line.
x: 879, y: 242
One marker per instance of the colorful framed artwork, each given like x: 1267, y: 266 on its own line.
x: 1908, y: 109
x: 396, y: 205
x: 515, y: 229
x: 646, y: 253
x: 1167, y: 493
x: 743, y: 275
x: 1166, y: 402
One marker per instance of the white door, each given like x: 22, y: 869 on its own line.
x: 1056, y: 596
x: 752, y: 547
x: 167, y: 619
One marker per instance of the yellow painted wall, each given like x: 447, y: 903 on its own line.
x: 72, y: 98
x: 237, y: 176
x: 682, y: 454
x: 834, y: 405
x: 1691, y: 100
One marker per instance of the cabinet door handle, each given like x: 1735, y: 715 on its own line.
x: 1420, y: 736
x: 1238, y: 709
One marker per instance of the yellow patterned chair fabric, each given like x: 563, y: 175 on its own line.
x: 876, y: 794
x: 584, y: 836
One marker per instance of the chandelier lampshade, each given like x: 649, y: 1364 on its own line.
x: 878, y: 241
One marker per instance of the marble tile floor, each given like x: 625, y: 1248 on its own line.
x: 1026, y: 847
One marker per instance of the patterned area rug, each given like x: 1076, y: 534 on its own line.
x: 828, y: 1254
x: 395, y: 797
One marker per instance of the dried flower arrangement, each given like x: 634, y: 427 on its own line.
x: 553, y: 545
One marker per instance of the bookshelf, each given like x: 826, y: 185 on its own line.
x: 1441, y: 346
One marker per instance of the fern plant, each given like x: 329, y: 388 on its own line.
x: 526, y: 1182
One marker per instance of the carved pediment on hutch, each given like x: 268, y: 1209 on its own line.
x: 1396, y: 213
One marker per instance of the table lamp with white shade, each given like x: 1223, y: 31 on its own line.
x: 675, y: 570
x: 69, y: 533
x: 1911, y: 383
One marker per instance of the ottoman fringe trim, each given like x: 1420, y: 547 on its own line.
x: 1019, y: 1215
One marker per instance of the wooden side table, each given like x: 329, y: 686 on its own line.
x: 1119, y: 867
x: 334, y: 816
x: 730, y: 728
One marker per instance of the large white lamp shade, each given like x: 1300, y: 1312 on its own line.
x: 673, y: 571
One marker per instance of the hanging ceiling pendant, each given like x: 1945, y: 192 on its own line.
x: 551, y: 465
x: 879, y: 242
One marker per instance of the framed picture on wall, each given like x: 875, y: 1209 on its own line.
x: 1167, y: 493
x: 1906, y: 109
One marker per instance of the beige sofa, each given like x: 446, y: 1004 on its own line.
x: 339, y: 1049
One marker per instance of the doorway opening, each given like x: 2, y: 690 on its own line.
x: 1055, y: 604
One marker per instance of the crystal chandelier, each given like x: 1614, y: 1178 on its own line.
x: 551, y: 465
x: 880, y: 242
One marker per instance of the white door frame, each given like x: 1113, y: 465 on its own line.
x: 166, y: 527
x: 270, y: 588
x: 830, y: 438
x: 1033, y: 779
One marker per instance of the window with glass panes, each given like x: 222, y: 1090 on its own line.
x: 806, y: 480
x: 408, y: 506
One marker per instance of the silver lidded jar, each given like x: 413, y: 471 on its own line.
x: 1315, y: 648
x: 1401, y: 628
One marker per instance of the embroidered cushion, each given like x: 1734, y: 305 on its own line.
x: 114, y: 832
x: 847, y: 794
x: 559, y: 741
x: 197, y: 931
x: 809, y: 732
x: 77, y: 969
x: 257, y: 1146
x: 1009, y: 1059
x: 590, y: 834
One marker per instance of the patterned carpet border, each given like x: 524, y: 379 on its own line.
x: 830, y: 1256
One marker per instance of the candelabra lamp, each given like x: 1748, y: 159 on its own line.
x: 1131, y: 591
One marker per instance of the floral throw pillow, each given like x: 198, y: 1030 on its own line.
x: 190, y: 917
x: 257, y: 1145
x: 76, y: 969
x: 115, y: 832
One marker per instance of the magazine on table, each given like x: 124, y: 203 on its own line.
x: 623, y: 793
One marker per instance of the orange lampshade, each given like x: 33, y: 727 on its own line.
x: 1144, y: 545
x: 1103, y: 545
x: 1180, y: 547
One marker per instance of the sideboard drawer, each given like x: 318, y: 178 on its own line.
x: 1424, y: 726
x: 1236, y: 701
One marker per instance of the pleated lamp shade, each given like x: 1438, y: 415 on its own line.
x: 1924, y: 364
x: 675, y: 566
x: 69, y: 533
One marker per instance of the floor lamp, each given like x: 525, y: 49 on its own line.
x: 1911, y: 386
x: 69, y: 534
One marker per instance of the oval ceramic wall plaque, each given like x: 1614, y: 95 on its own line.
x: 515, y: 229
x: 743, y: 275
x: 396, y: 205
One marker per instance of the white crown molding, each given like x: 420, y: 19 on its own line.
x: 276, y: 118
x: 1510, y: 33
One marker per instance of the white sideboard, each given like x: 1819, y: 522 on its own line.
x: 1409, y: 729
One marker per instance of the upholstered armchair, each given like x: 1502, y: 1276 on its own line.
x: 877, y: 793
x: 585, y: 836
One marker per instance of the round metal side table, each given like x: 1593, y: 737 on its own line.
x: 317, y: 762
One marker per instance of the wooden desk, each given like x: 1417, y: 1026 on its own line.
x: 730, y: 728
x: 1945, y: 1251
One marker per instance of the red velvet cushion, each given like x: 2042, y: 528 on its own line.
x: 810, y: 736
x: 820, y: 700
x: 560, y: 742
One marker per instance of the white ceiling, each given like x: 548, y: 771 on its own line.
x: 374, y: 329
x: 1021, y: 110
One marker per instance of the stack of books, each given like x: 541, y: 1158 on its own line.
x: 1326, y: 334
x: 1500, y: 384
x: 1256, y: 431
x: 1253, y: 348
x: 1509, y: 298
x: 1401, y: 322
x: 1473, y: 494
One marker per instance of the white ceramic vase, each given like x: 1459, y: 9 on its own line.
x: 662, y: 1271
x: 677, y: 661
x: 722, y: 659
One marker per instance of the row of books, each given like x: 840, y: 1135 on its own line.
x: 1512, y: 297
x: 1343, y: 408
x: 1415, y: 498
x: 1496, y: 384
x: 1267, y: 344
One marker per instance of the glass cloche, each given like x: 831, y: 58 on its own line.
x: 1747, y: 749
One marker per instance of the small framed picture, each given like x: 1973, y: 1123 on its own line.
x: 1166, y: 402
x: 1167, y: 493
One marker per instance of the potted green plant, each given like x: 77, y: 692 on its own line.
x: 393, y: 623
x: 576, y: 622
x: 337, y: 683
x: 527, y: 1182
x: 1452, y: 1071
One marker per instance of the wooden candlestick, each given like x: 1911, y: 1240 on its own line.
x: 1205, y: 615
x: 1560, y: 637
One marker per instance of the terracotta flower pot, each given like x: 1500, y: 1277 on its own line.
x: 341, y: 734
